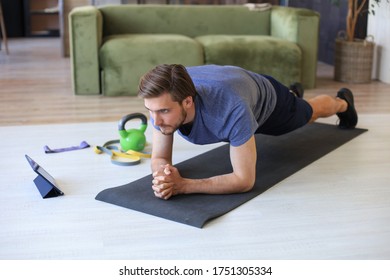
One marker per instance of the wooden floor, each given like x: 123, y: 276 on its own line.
x: 35, y: 88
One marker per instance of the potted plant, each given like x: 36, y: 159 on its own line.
x: 354, y: 57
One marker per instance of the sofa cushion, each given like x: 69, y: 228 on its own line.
x: 138, y: 53
x: 188, y: 20
x: 261, y: 54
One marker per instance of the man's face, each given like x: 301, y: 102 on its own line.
x: 168, y: 115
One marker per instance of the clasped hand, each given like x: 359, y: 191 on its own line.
x: 166, y: 182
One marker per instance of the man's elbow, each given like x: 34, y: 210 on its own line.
x: 247, y: 185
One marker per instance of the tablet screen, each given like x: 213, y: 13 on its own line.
x: 40, y: 171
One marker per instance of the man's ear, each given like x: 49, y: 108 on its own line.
x: 188, y: 102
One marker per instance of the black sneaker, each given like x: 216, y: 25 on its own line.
x: 296, y: 89
x: 349, y: 118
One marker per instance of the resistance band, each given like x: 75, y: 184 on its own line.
x: 118, y: 156
x: 82, y: 145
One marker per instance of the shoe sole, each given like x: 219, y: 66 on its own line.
x: 349, y: 118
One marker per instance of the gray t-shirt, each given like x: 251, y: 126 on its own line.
x: 231, y: 104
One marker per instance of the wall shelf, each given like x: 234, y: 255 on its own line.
x: 42, y: 18
x: 43, y: 12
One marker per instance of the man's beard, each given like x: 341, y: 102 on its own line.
x: 171, y: 129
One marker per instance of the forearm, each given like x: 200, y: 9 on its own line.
x: 156, y: 163
x: 222, y: 184
x: 162, y: 150
x: 167, y: 180
x: 242, y: 179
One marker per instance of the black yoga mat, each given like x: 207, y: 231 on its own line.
x: 278, y: 158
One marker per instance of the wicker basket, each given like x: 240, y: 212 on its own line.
x: 353, y: 61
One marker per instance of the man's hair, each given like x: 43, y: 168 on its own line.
x: 171, y: 78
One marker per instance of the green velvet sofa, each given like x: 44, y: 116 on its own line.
x: 113, y: 46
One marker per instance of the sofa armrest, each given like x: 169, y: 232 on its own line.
x: 85, y: 25
x: 302, y: 27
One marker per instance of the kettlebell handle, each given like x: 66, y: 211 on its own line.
x: 125, y: 119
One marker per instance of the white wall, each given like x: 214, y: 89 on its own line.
x: 379, y: 27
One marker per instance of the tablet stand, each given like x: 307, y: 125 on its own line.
x: 45, y: 188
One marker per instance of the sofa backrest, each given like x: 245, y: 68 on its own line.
x: 189, y: 20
